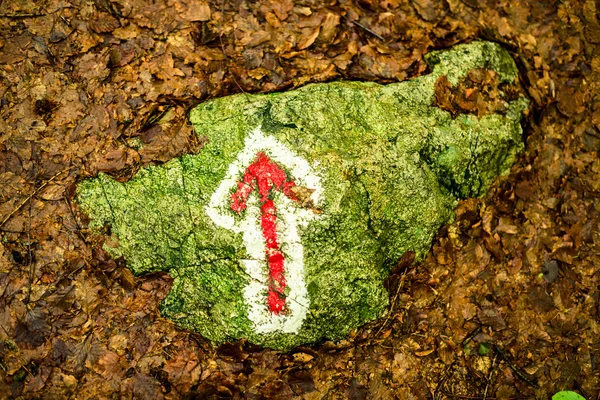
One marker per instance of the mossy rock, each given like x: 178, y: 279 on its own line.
x: 285, y: 225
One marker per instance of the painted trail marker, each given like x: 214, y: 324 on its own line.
x: 284, y: 227
x: 256, y: 181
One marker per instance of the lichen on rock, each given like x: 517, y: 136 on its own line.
x: 283, y: 228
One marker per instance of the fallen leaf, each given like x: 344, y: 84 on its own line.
x: 301, y: 382
x: 430, y: 10
x: 329, y: 28
x: 53, y: 192
x: 308, y: 37
x: 492, y: 318
x: 104, y: 23
x: 302, y: 357
x: 112, y: 161
x: 282, y: 8
x: 111, y: 366
x: 356, y: 391
x: 197, y: 12
x: 424, y: 353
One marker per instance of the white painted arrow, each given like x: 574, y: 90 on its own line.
x: 254, y: 197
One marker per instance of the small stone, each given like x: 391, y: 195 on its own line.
x: 284, y: 227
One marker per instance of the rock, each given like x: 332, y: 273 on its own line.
x: 283, y: 228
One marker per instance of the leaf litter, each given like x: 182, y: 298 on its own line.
x: 505, y: 306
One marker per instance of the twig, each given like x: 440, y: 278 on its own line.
x: 74, y: 218
x: 487, y: 386
x: 36, y: 191
x: 378, y: 36
x: 387, y: 318
x: 443, y: 381
x: 226, y: 56
x: 514, y: 368
x: 440, y: 385
x: 18, y: 16
x: 30, y: 277
x: 460, y: 396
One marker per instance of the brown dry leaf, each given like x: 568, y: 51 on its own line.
x: 329, y: 28
x: 127, y: 32
x: 196, y: 12
x: 424, y: 353
x: 104, y: 23
x: 87, y: 352
x: 301, y: 382
x: 60, y: 31
x: 258, y: 73
x: 524, y: 190
x: 75, y: 83
x: 163, y: 145
x: 273, y: 20
x: 38, y: 382
x: 430, y: 10
x: 570, y: 102
x: 14, y: 50
x: 255, y: 39
x: 112, y: 368
x: 184, y: 368
x: 505, y: 225
x: 302, y: 357
x: 492, y: 318
x: 210, y: 54
x: 592, y: 33
x: 356, y: 391
x: 306, y: 11
x: 53, y: 192
x: 112, y: 161
x: 308, y: 37
x: 123, y: 54
x: 93, y: 66
x: 282, y: 8
x: 163, y: 67
x: 68, y: 380
x: 146, y: 387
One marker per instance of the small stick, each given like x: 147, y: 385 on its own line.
x: 36, y: 191
x: 31, y: 267
x: 460, y: 396
x: 18, y: 16
x: 387, y: 318
x: 227, y: 57
x: 74, y: 217
x: 440, y: 385
x: 378, y: 36
x: 487, y: 386
x: 514, y: 368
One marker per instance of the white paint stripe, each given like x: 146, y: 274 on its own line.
x: 289, y: 218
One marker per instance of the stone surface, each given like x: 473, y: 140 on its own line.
x: 283, y: 228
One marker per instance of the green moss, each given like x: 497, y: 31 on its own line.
x: 392, y: 166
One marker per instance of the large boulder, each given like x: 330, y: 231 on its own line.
x: 285, y: 225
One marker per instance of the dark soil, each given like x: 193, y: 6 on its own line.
x: 505, y: 306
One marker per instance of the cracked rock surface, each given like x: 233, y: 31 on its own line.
x: 372, y: 172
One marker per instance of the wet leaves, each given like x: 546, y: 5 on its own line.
x: 105, y: 86
x: 32, y: 330
x: 480, y: 93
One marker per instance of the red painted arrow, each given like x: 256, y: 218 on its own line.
x: 266, y: 176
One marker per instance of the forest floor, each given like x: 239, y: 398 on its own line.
x: 505, y: 306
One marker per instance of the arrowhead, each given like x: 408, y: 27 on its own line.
x: 264, y: 175
x: 222, y: 202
